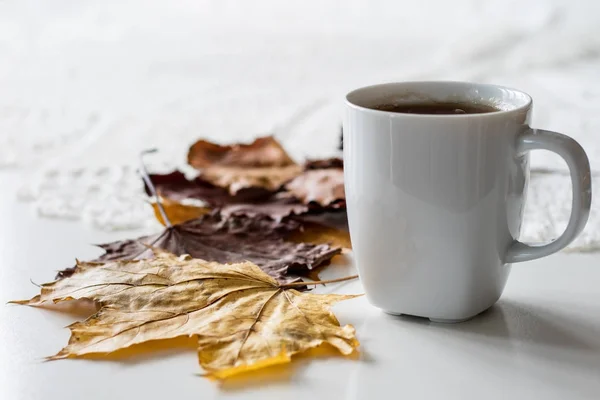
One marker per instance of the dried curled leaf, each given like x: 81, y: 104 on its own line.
x: 263, y: 152
x: 236, y: 179
x: 229, y: 239
x: 324, y: 187
x: 243, y: 318
x: 260, y: 164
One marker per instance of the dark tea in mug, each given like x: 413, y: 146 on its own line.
x: 436, y: 108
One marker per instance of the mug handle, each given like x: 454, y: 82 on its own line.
x: 579, y: 167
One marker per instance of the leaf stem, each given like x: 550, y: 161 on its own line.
x: 294, y: 284
x: 148, y: 181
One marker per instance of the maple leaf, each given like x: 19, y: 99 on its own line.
x: 260, y: 164
x: 243, y: 319
x: 321, y: 183
x: 320, y: 228
x: 229, y: 239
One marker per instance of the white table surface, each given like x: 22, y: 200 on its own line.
x: 541, y: 341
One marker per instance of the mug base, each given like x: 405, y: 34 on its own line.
x: 448, y: 321
x: 434, y: 320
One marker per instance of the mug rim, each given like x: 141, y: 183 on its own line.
x: 528, y: 100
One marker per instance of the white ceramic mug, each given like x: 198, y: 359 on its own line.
x: 435, y: 202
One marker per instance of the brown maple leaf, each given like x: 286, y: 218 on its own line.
x: 242, y: 318
x: 318, y: 228
x: 229, y: 239
x: 260, y: 164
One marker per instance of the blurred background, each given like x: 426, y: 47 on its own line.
x: 85, y: 86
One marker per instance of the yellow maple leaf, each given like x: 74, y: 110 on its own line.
x: 243, y: 319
